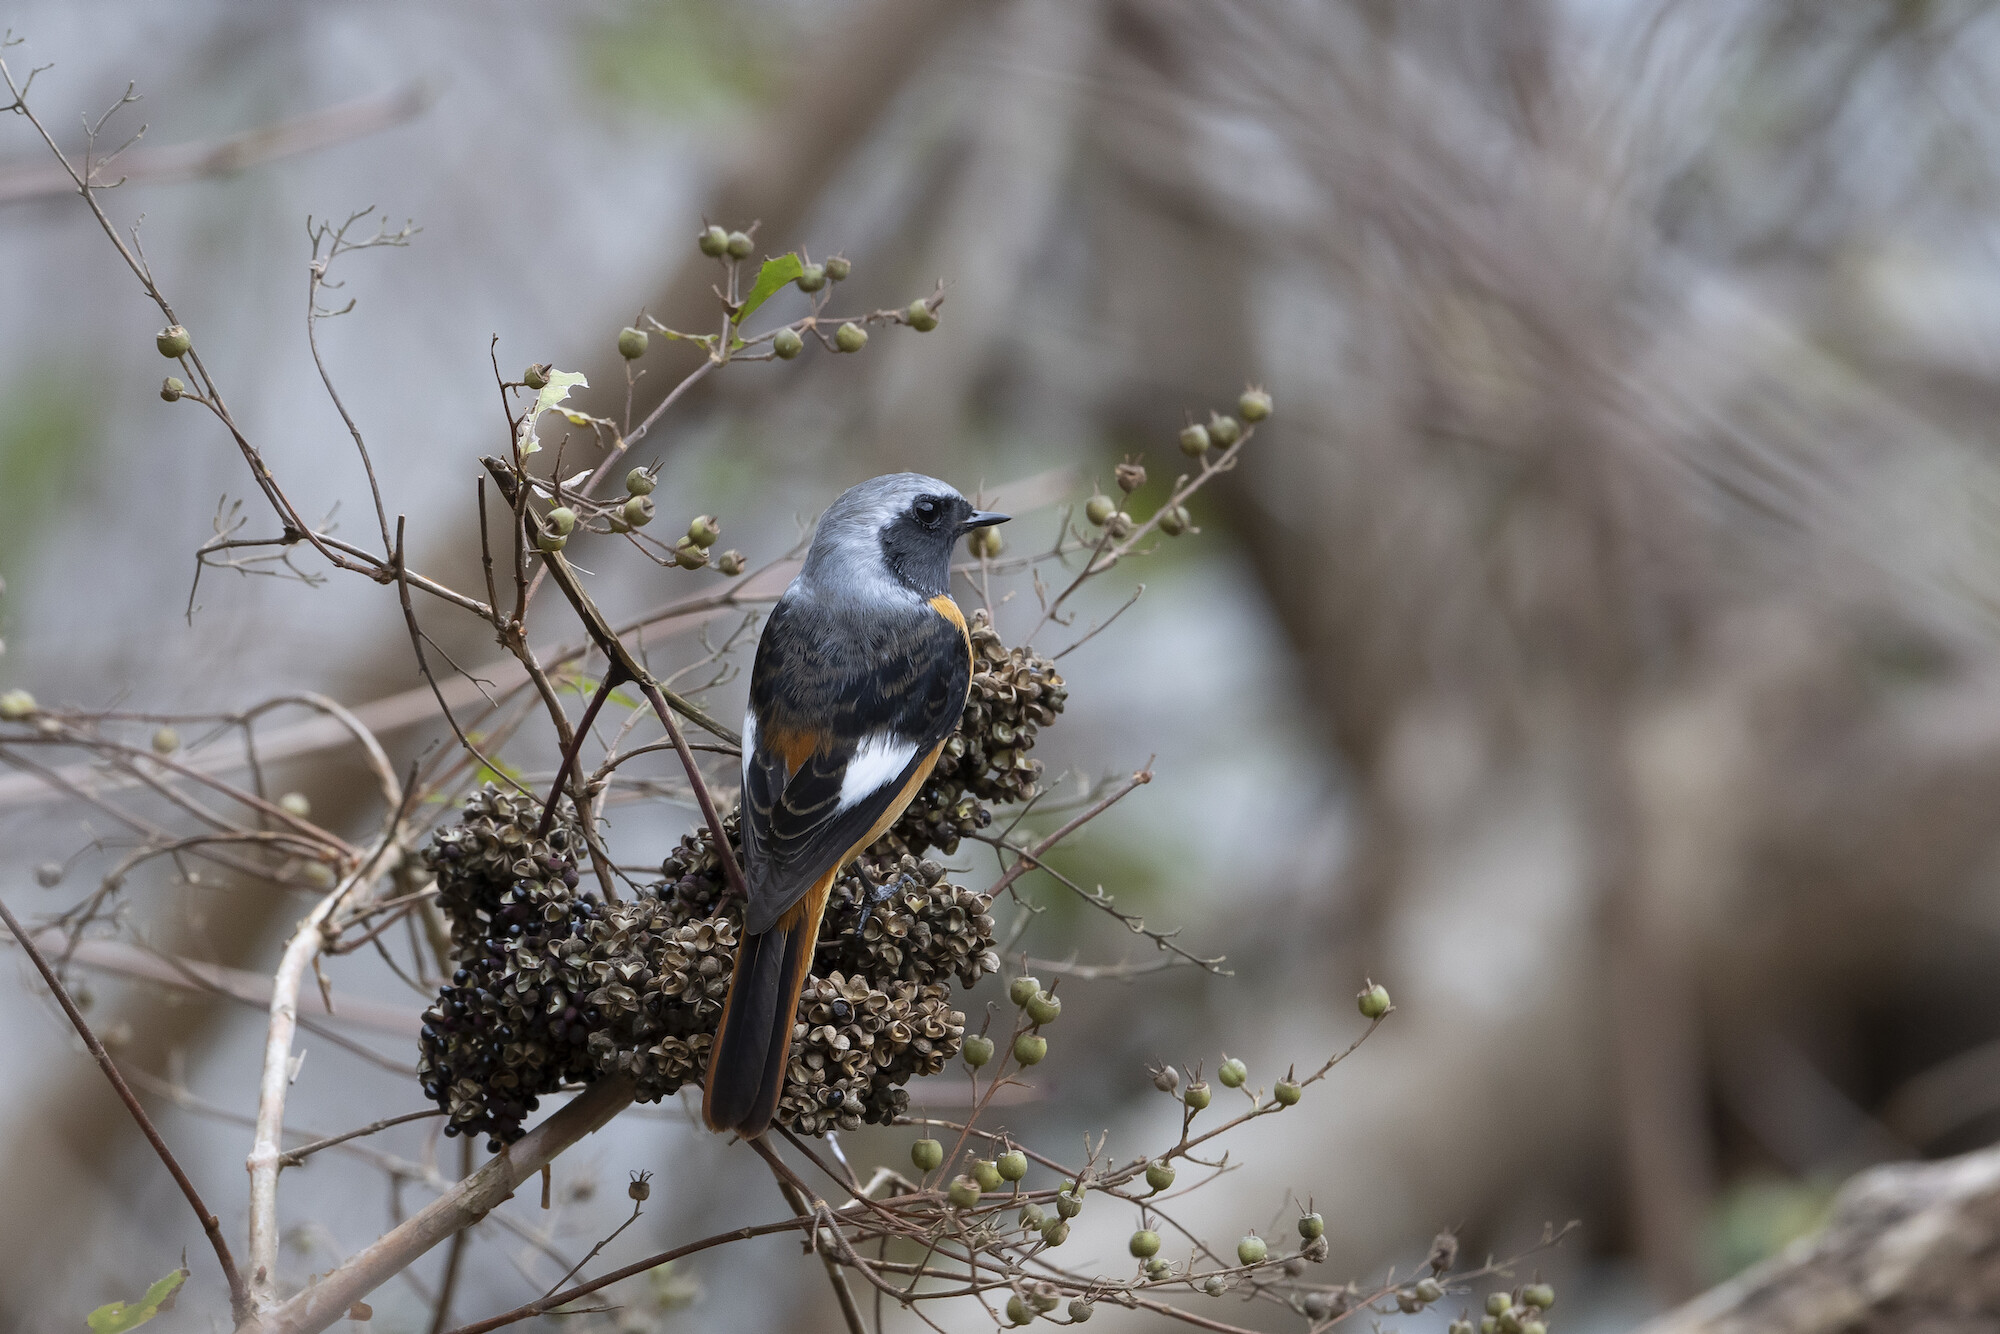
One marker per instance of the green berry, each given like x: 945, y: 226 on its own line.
x: 1489, y: 1325
x: 1145, y: 1244
x: 1032, y: 1217
x: 173, y: 342
x: 1510, y: 1321
x: 838, y: 268
x: 1459, y: 1327
x: 1119, y: 526
x: 985, y: 543
x: 689, y: 556
x: 1055, y: 1232
x: 166, y: 741
x: 1224, y: 430
x: 811, y: 278
x: 1214, y: 1285
x: 1023, y: 988
x: 850, y: 337
x: 738, y: 245
x: 1156, y: 1268
x: 640, y: 482
x: 927, y: 1154
x: 631, y: 343
x: 172, y: 388
x: 1288, y: 1092
x: 1251, y: 1250
x: 1373, y: 1002
x: 1533, y: 1327
x: 1232, y: 1073
x: 563, y: 519
x: 295, y: 804
x: 1018, y: 1311
x: 1197, y: 1094
x: 1080, y: 1310
x: 978, y: 1050
x: 49, y: 874
x: 1043, y: 1007
x: 536, y: 376
x: 1539, y: 1295
x: 1173, y: 522
x: 1254, y: 405
x: 1013, y: 1165
x: 714, y: 242
x: 1044, y: 1296
x: 1069, y: 1203
x: 1498, y: 1303
x: 1194, y: 440
x: 1159, y: 1174
x: 638, y: 511
x: 1311, y: 1225
x: 787, y: 344
x: 920, y: 317
x: 1030, y: 1048
x: 704, y: 530
x: 1098, y: 509
x: 730, y: 563
x: 15, y: 705
x: 986, y: 1173
x: 963, y: 1192
x: 1427, y: 1290
x: 551, y: 541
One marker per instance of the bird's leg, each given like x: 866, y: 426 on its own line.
x: 873, y: 894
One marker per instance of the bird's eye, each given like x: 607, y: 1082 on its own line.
x: 927, y: 512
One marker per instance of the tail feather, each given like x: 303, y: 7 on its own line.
x: 753, y: 1043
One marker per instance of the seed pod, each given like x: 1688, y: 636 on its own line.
x: 631, y: 343
x: 850, y: 337
x: 166, y: 741
x: 1055, y: 1232
x: 1044, y: 1007
x: 1539, y: 1295
x: 964, y: 1192
x: 738, y: 245
x: 978, y: 1050
x: 1428, y: 1290
x: 563, y: 519
x: 927, y: 1154
x: 1232, y: 1072
x: 787, y: 344
x: 1157, y: 1269
x: 1032, y: 1217
x: 1254, y: 405
x: 1214, y: 1285
x: 1069, y: 1203
x: 1444, y: 1252
x: 173, y: 342
x: 1459, y: 1327
x: 638, y: 511
x: 551, y: 541
x: 1099, y: 509
x: 1018, y: 1311
x: 1489, y: 1325
x: 1159, y: 1174
x: 985, y: 543
x: 640, y: 1187
x: 360, y: 1311
x: 1194, y: 440
x: 1044, y: 1296
x: 1251, y: 1250
x: 1166, y: 1079
x: 1224, y: 430
x: 1407, y: 1303
x: 811, y: 277
x: 1023, y: 988
x: 730, y: 563
x: 986, y: 1173
x: 1013, y: 1165
x: 920, y: 317
x: 1288, y: 1093
x: 536, y: 376
x: 1119, y: 526
x: 704, y: 530
x: 295, y: 804
x: 1511, y: 1321
x: 838, y: 268
x: 1533, y: 1327
x: 1374, y: 1001
x: 172, y: 388
x: 1311, y: 1225
x: 15, y: 705
x: 640, y: 482
x: 1173, y: 522
x: 49, y: 874
x: 1030, y: 1048
x: 1498, y: 1303
x: 1080, y: 1310
x: 689, y: 556
x: 1131, y: 476
x: 1197, y: 1095
x: 714, y: 242
x: 1145, y: 1244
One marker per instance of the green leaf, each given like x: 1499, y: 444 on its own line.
x: 487, y: 774
x: 775, y: 274
x: 120, y: 1316
x: 552, y: 394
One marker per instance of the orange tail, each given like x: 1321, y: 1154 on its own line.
x: 753, y: 1044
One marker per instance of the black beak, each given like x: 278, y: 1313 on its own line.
x: 982, y: 519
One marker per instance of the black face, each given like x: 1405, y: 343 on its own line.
x: 917, y: 543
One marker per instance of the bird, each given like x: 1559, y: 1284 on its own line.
x: 860, y: 677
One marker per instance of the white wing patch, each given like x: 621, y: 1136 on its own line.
x: 878, y: 760
x: 749, y: 741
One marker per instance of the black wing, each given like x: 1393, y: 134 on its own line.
x: 822, y: 694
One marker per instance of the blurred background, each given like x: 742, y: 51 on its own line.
x: 1601, y: 646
